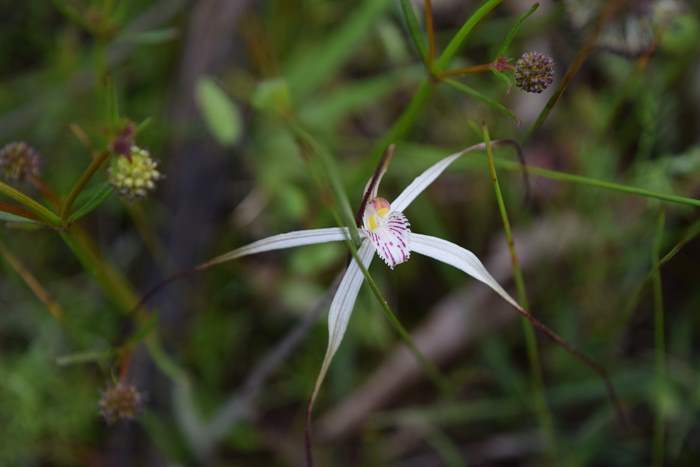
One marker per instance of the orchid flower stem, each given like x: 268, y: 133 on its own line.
x: 659, y: 346
x: 42, y: 212
x: 543, y: 412
x: 430, y: 369
x: 82, y: 182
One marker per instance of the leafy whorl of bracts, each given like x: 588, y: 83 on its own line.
x: 534, y: 72
x: 19, y: 161
x: 121, y: 401
x: 134, y: 175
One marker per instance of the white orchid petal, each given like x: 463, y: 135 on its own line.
x: 460, y: 258
x: 341, y: 308
x: 283, y: 241
x: 391, y: 239
x: 421, y: 182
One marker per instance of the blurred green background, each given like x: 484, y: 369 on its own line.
x: 211, y: 85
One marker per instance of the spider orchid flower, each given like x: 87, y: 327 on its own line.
x: 384, y: 231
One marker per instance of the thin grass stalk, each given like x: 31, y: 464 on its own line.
x: 430, y: 31
x: 659, y: 347
x: 542, y: 410
x: 32, y: 282
x: 592, y: 182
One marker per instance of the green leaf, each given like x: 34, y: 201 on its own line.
x: 313, y: 65
x: 409, y: 16
x: 9, y: 217
x: 514, y: 30
x: 220, y: 113
x: 468, y: 90
x: 90, y: 199
x: 155, y: 37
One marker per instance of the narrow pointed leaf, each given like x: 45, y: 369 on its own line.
x: 282, y: 241
x: 471, y: 92
x: 514, y: 30
x: 10, y: 217
x: 341, y: 309
x: 90, y: 200
x: 220, y: 113
x: 460, y: 258
x: 409, y: 15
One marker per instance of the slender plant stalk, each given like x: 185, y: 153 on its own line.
x: 32, y: 282
x: 37, y: 208
x: 542, y: 410
x: 659, y: 347
x: 592, y: 182
x: 430, y: 31
x: 484, y: 67
x: 82, y: 182
x: 110, y: 279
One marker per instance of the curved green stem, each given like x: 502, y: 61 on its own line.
x: 35, y: 207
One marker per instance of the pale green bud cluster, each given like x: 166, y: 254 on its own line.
x: 134, y: 175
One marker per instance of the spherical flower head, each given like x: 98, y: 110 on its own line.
x: 135, y: 174
x: 19, y: 161
x: 121, y: 401
x: 534, y: 72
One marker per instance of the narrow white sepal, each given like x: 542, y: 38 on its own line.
x: 460, y: 258
x: 283, y: 241
x: 421, y: 182
x: 341, y: 308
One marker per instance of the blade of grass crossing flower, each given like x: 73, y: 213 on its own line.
x: 309, y: 143
x: 468, y: 90
x: 659, y: 348
x: 280, y: 242
x: 341, y: 310
x: 409, y: 16
x: 542, y: 410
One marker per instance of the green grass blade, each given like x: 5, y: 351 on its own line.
x: 471, y: 92
x: 503, y: 49
x: 315, y: 66
x: 541, y: 409
x: 457, y: 41
x: 35, y: 207
x: 91, y: 200
x: 659, y: 348
x: 409, y: 16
